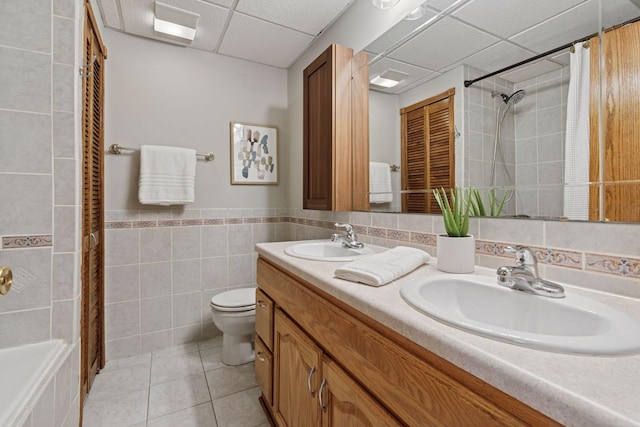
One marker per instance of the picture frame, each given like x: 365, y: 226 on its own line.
x: 254, y: 154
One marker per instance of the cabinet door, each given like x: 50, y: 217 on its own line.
x: 264, y: 318
x: 264, y: 370
x: 296, y: 375
x: 346, y: 404
x: 327, y: 131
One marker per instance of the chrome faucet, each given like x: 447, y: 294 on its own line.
x: 524, y: 275
x: 349, y: 239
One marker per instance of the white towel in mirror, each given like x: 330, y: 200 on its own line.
x: 380, y: 183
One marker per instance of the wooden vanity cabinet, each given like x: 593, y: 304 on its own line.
x: 335, y: 131
x: 371, y: 374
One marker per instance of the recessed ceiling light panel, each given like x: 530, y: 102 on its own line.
x: 175, y: 22
x: 389, y: 78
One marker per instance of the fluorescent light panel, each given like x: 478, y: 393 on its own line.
x: 175, y: 22
x: 381, y: 81
x: 175, y: 30
x: 389, y: 78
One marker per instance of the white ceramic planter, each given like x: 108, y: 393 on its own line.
x: 456, y: 254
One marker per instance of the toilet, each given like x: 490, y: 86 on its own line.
x: 234, y: 313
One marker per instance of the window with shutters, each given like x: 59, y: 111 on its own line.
x: 428, y: 149
x: 92, y: 322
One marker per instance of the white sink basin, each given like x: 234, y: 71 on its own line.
x: 574, y: 324
x: 325, y: 251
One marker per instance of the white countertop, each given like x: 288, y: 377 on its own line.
x: 572, y: 389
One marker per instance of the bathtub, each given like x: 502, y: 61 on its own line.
x: 24, y: 373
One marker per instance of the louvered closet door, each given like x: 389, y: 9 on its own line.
x: 92, y: 333
x: 427, y: 152
x: 440, y: 148
x: 414, y: 175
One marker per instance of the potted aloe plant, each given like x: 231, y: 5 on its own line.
x: 455, y: 249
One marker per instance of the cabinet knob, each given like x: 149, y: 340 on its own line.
x: 261, y: 303
x: 260, y: 357
x: 6, y: 280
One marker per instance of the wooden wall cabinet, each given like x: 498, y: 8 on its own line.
x: 336, y: 131
x: 333, y: 366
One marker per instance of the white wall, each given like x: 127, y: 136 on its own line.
x: 162, y: 94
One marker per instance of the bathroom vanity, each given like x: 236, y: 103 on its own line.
x: 332, y: 352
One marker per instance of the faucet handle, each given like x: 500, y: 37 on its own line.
x: 348, y: 227
x: 524, y: 255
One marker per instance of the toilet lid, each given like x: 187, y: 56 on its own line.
x: 235, y: 299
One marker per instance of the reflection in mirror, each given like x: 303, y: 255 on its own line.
x: 502, y: 138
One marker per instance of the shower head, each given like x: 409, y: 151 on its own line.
x: 515, y: 97
x: 510, y: 100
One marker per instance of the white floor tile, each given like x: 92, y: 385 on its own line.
x: 172, y: 368
x: 196, y: 416
x: 126, y: 362
x: 118, y: 410
x: 175, y: 350
x: 179, y: 394
x: 240, y: 409
x: 110, y: 383
x: 231, y: 379
x: 174, y: 387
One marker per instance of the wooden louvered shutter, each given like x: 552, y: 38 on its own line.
x: 92, y: 323
x: 427, y: 151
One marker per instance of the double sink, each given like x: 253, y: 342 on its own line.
x: 477, y: 304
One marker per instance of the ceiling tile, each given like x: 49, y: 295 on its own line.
x: 529, y: 71
x: 397, y: 33
x: 263, y: 42
x: 443, y: 4
x: 308, y: 16
x: 445, y: 43
x: 110, y: 15
x: 224, y: 3
x: 496, y: 57
x: 506, y: 18
x: 572, y: 25
x: 618, y: 11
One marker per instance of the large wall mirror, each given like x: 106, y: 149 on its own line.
x: 535, y: 131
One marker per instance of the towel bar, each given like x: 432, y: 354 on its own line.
x: 117, y: 149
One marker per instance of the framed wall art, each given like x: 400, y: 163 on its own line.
x: 254, y: 153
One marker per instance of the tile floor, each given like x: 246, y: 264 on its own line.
x: 180, y: 386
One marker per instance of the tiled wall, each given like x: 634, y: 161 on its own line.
x: 37, y: 183
x: 480, y: 133
x: 540, y: 124
x: 163, y: 267
x: 601, y: 256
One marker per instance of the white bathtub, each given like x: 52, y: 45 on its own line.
x: 24, y: 372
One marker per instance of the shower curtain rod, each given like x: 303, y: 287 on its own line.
x: 468, y: 83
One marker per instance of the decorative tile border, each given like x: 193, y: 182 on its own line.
x: 36, y: 241
x: 628, y: 267
x: 599, y: 263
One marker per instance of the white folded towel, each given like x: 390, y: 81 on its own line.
x: 167, y: 175
x: 380, y: 183
x: 382, y: 268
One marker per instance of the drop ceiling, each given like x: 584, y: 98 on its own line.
x: 271, y: 32
x: 485, y: 34
x: 490, y: 35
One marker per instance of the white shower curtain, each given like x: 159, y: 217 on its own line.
x: 576, y: 157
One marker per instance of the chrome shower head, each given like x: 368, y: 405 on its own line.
x: 515, y: 97
x: 510, y: 100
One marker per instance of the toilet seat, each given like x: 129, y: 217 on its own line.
x: 243, y: 299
